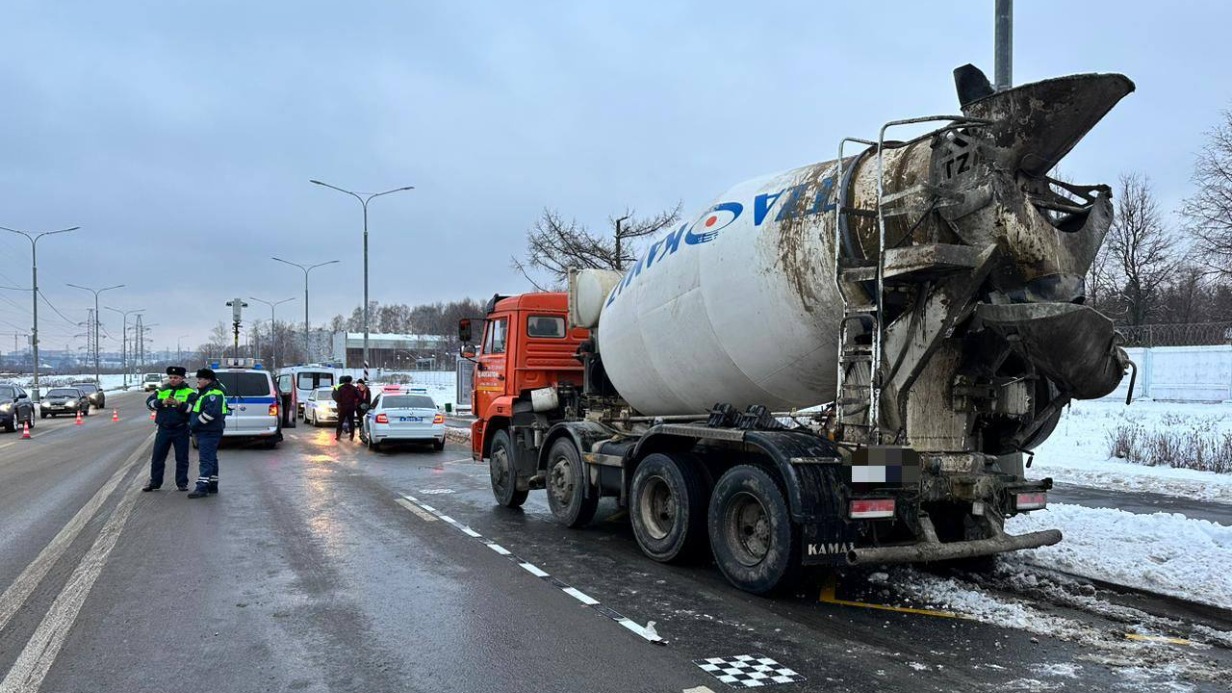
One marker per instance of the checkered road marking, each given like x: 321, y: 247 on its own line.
x: 748, y: 671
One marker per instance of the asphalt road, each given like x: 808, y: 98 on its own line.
x: 312, y: 570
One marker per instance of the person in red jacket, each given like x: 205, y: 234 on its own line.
x: 348, y: 399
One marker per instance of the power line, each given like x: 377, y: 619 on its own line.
x: 57, y: 310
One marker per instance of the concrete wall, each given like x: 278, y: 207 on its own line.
x: 1183, y: 374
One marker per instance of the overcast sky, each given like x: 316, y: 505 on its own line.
x: 181, y: 135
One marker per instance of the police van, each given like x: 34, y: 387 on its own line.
x: 254, y: 411
x: 301, y: 381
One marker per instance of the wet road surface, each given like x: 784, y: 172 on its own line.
x: 313, y: 571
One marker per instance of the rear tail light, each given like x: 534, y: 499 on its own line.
x: 871, y: 508
x: 382, y: 418
x: 273, y: 410
x: 1031, y: 501
x: 438, y: 419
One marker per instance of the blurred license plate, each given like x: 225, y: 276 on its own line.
x: 412, y: 419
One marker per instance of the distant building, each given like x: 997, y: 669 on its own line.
x: 392, y: 351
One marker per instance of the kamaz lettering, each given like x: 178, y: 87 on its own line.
x: 706, y: 228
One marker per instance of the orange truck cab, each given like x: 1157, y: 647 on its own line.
x: 526, y: 346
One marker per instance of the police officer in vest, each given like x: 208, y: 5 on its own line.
x: 170, y: 405
x: 207, y: 420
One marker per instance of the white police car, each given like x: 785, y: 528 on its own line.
x: 403, y: 414
x: 252, y: 401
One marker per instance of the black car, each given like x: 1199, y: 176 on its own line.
x: 97, y: 397
x: 65, y: 400
x: 15, y: 408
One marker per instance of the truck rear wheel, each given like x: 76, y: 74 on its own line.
x: 668, y: 507
x: 500, y: 467
x: 753, y: 538
x: 566, y: 485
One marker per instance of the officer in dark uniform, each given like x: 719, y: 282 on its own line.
x: 207, y: 419
x: 170, y: 404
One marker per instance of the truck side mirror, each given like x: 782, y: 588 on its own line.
x: 464, y: 330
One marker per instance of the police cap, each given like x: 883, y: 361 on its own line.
x: 177, y: 370
x: 207, y: 373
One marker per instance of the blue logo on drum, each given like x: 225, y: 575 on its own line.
x: 712, y: 222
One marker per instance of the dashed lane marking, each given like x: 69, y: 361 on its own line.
x: 426, y: 516
x: 828, y: 597
x: 645, y: 632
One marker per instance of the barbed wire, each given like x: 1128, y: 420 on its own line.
x: 1177, y: 334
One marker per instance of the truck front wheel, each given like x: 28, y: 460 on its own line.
x: 668, y: 507
x: 501, y: 469
x: 753, y: 538
x: 566, y: 485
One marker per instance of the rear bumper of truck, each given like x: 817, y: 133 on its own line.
x: 932, y: 549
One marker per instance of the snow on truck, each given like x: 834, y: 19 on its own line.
x: 844, y: 363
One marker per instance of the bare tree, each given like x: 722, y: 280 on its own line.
x: 1209, y: 211
x: 1143, y: 250
x: 554, y: 245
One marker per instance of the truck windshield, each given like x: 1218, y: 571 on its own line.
x: 495, y: 342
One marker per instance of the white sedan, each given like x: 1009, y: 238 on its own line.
x: 402, y: 415
x: 320, y: 407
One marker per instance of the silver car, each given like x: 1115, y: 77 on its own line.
x: 320, y: 407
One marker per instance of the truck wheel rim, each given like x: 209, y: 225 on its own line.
x: 500, y: 468
x: 747, y: 529
x: 657, y: 508
x: 561, y: 481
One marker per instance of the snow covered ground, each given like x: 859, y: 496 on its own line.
x: 1077, y: 452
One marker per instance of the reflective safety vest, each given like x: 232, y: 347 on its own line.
x: 212, y: 391
x: 181, y: 393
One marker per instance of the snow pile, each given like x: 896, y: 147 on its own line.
x: 1077, y: 451
x: 1161, y: 553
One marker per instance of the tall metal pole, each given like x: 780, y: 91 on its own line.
x: 1005, y: 44
x: 124, y: 339
x: 96, y: 292
x: 273, y: 344
x: 363, y: 201
x: 305, y: 270
x: 34, y: 293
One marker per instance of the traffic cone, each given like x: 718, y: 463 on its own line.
x: 25, y: 430
x: 115, y: 415
x: 78, y: 422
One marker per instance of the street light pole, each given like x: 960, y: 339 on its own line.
x: 96, y: 292
x: 274, y: 354
x: 364, y: 199
x: 124, y: 339
x: 34, y: 291
x: 305, y: 270
x: 179, y: 357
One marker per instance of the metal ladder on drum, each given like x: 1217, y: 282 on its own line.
x: 849, y: 270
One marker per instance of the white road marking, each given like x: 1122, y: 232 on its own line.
x: 699, y: 689
x: 20, y: 590
x: 648, y: 633
x: 580, y: 596
x: 40, y: 652
x: 426, y: 517
x: 530, y: 568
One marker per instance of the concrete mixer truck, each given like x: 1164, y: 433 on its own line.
x: 844, y: 363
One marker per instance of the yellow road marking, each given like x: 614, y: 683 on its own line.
x: 1158, y: 638
x: 827, y: 596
